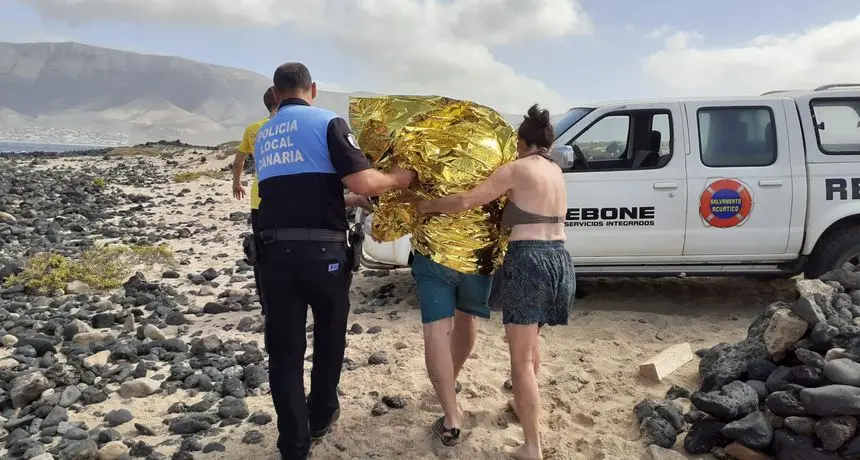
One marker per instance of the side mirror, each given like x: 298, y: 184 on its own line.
x: 563, y: 155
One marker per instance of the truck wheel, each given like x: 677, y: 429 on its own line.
x: 834, y: 251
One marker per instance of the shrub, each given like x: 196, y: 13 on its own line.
x: 101, y: 268
x: 194, y: 175
x: 136, y: 152
x: 152, y: 255
x: 45, y: 272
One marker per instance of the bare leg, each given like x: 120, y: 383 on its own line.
x: 511, y: 402
x: 522, y: 342
x: 462, y: 339
x: 537, y: 362
x: 440, y: 367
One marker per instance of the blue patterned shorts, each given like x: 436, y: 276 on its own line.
x: 537, y: 283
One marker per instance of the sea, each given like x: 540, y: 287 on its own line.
x: 23, y: 147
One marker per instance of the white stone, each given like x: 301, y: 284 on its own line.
x: 153, y: 333
x: 836, y: 353
x: 112, y: 450
x: 784, y: 330
x: 6, y: 217
x: 235, y: 293
x: 139, y: 388
x: 819, y: 290
x: 86, y: 338
x: 9, y: 340
x: 206, y: 291
x: 99, y: 359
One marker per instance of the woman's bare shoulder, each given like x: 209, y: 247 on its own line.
x: 511, y: 167
x: 521, y: 164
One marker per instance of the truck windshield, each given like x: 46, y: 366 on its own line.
x: 569, y: 119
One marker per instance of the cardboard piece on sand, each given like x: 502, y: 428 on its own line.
x: 667, y: 361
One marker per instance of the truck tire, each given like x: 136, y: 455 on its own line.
x: 833, y: 251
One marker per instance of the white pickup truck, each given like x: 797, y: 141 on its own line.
x: 765, y: 186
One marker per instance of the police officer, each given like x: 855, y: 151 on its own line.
x: 304, y: 156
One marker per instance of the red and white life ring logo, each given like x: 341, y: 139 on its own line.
x: 725, y: 203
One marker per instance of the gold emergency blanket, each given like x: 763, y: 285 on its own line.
x: 453, y: 145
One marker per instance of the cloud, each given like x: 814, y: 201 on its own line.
x: 660, y: 32
x: 510, y: 21
x: 333, y: 87
x: 12, y: 32
x: 409, y: 46
x: 817, y: 56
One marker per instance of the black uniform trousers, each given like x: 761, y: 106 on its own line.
x: 255, y: 216
x: 299, y: 274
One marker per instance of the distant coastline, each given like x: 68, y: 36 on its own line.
x: 45, y: 150
x: 30, y: 147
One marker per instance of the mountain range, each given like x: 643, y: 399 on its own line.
x: 51, y: 92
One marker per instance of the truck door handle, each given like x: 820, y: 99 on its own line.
x: 770, y: 183
x: 665, y: 186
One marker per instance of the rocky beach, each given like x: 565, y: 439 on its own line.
x: 790, y: 389
x: 130, y: 328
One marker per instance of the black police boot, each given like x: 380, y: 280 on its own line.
x: 317, y: 433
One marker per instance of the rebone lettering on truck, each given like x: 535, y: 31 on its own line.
x: 840, y: 186
x: 610, y: 217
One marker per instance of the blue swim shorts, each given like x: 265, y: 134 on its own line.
x: 441, y: 290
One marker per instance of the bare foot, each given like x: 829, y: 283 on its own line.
x: 526, y: 453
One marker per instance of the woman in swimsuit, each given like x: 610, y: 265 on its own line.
x: 537, y: 282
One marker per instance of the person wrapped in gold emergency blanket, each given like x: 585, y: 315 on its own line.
x: 453, y: 146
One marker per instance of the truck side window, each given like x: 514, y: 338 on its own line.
x: 628, y: 140
x: 837, y: 125
x: 737, y: 137
x: 606, y: 139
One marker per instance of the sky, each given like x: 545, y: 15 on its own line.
x: 507, y: 54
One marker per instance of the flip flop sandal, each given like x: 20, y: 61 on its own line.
x: 449, y: 436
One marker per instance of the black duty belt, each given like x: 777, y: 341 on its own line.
x: 303, y: 234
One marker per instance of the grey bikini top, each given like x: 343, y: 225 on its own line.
x: 513, y: 215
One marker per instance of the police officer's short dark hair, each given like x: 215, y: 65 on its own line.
x: 269, y: 98
x: 292, y: 76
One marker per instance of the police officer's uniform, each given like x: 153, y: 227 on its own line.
x: 301, y: 155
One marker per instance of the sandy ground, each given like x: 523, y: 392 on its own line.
x: 589, y: 381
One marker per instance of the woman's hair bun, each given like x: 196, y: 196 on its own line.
x: 539, y: 115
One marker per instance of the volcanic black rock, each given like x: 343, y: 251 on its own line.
x: 704, y: 436
x: 733, y: 401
